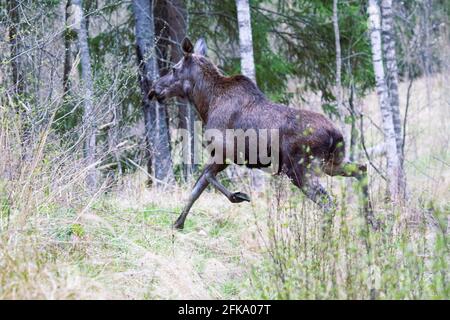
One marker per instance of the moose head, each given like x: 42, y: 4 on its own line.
x: 184, y: 75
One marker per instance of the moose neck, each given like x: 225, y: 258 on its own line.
x: 203, y: 93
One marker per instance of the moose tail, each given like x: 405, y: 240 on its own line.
x: 336, y: 151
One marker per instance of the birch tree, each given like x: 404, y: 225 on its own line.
x: 67, y: 48
x: 156, y: 127
x: 338, y: 57
x: 339, y: 90
x: 247, y: 62
x: 89, y: 120
x: 393, y: 161
x: 390, y: 57
x: 245, y: 39
x: 427, y: 56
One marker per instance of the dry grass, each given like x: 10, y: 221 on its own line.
x: 58, y: 241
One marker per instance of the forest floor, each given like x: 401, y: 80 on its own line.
x: 120, y: 244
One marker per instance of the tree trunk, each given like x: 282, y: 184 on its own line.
x: 339, y: 91
x: 338, y: 57
x: 248, y: 64
x: 245, y: 39
x: 427, y: 57
x: 89, y: 117
x: 163, y: 157
x: 391, y: 69
x: 18, y: 78
x: 67, y: 49
x: 393, y: 162
x: 171, y: 22
x: 156, y: 128
x: 177, y: 16
x: 392, y: 81
x: 14, y: 41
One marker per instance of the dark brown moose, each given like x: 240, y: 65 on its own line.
x: 308, y: 141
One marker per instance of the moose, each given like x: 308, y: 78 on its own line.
x: 309, y: 143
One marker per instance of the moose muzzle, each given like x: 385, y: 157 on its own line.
x: 154, y: 93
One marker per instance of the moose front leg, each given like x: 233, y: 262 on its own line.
x: 234, y: 197
x: 199, y: 187
x: 208, y: 176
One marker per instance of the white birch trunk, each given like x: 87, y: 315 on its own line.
x: 248, y: 64
x: 67, y: 49
x: 338, y: 58
x: 346, y: 130
x: 89, y: 123
x: 390, y: 57
x: 245, y: 39
x: 427, y: 52
x: 393, y: 163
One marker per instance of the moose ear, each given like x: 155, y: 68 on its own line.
x: 200, y: 47
x: 187, y: 46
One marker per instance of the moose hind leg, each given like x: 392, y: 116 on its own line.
x: 358, y: 171
x: 311, y: 187
x: 317, y: 193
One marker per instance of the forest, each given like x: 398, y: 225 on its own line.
x: 95, y: 171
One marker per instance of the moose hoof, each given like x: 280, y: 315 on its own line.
x: 239, y: 197
x: 179, y: 225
